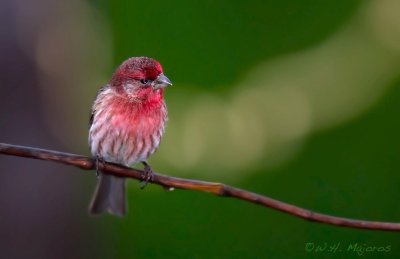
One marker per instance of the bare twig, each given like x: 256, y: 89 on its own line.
x: 219, y: 189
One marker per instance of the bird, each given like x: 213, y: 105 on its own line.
x: 127, y: 122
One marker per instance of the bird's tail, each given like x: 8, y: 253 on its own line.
x: 109, y: 196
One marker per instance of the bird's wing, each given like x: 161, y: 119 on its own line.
x: 93, y: 110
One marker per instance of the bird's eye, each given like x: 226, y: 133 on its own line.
x: 144, y: 81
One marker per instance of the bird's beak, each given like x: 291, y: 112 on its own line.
x: 161, y: 82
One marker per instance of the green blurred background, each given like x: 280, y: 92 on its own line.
x: 296, y: 100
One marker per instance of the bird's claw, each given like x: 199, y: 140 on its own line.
x: 147, y: 176
x: 98, y: 160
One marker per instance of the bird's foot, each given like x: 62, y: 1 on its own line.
x: 99, y: 160
x: 148, y: 175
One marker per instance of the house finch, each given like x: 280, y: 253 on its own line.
x: 126, y: 125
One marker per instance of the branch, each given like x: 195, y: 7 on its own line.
x: 219, y: 189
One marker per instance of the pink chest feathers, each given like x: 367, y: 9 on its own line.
x: 127, y: 132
